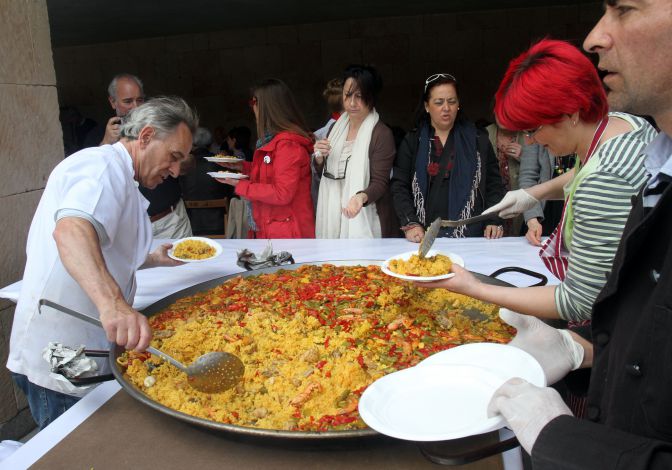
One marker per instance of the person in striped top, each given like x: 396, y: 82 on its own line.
x: 553, y: 94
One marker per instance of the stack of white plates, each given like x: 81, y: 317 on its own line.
x: 446, y: 396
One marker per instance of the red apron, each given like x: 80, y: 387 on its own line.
x: 553, y: 253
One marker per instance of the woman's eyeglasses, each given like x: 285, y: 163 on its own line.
x: 326, y: 174
x: 530, y: 134
x: 252, y: 101
x: 436, y: 76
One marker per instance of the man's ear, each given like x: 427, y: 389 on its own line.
x: 112, y: 102
x: 145, y: 136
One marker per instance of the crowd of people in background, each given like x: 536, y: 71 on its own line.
x: 367, y: 179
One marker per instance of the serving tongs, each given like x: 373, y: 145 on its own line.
x: 213, y: 372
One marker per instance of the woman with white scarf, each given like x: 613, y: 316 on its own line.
x: 355, y: 161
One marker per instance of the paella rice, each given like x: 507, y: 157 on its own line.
x: 422, y: 266
x: 312, y: 339
x: 193, y: 249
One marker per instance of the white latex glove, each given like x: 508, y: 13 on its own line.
x: 513, y: 203
x: 554, y: 349
x: 527, y: 409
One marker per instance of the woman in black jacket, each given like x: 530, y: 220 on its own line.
x: 445, y: 168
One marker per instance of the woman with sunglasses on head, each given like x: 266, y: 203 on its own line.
x: 445, y: 167
x: 279, y: 174
x: 355, y: 161
x: 553, y: 93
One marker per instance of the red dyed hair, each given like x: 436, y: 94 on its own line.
x: 551, y: 79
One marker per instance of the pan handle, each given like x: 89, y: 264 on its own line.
x: 470, y: 455
x: 543, y: 280
x: 250, y: 267
x: 80, y: 382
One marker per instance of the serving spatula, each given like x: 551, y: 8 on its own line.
x: 428, y: 240
x: 470, y: 220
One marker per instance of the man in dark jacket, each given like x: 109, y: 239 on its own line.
x: 629, y: 412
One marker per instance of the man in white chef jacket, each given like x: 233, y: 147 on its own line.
x: 88, y: 237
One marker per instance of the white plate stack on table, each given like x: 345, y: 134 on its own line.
x: 446, y: 396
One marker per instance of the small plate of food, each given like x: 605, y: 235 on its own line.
x: 194, y: 249
x: 227, y: 174
x: 411, y: 267
x: 225, y: 159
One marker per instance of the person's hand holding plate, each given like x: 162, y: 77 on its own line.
x: 159, y: 257
x: 229, y: 181
x: 555, y: 349
x: 462, y: 282
x: 527, y: 409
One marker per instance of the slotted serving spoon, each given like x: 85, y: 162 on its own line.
x: 213, y: 372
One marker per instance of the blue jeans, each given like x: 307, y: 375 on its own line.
x: 45, y: 405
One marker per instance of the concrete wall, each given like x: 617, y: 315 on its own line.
x: 30, y: 146
x: 214, y: 70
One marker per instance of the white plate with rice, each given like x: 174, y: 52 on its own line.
x: 227, y: 174
x: 456, y: 259
x: 195, y: 248
x: 224, y: 159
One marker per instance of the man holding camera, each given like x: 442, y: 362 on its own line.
x: 166, y: 210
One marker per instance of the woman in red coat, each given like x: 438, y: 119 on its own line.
x: 279, y: 175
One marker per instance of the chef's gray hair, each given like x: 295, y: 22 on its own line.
x: 163, y: 113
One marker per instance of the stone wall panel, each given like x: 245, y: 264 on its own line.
x: 237, y: 38
x: 25, y: 26
x: 18, y: 209
x: 30, y: 137
x: 324, y: 31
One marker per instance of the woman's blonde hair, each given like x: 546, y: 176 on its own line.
x: 277, y: 110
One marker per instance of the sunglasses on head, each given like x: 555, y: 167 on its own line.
x: 436, y: 76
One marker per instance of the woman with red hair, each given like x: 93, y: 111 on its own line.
x: 553, y: 94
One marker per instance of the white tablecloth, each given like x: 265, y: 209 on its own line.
x: 480, y: 255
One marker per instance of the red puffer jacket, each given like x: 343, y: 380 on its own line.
x: 279, y: 188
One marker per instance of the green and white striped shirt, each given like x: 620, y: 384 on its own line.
x: 602, y: 202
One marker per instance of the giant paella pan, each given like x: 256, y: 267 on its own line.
x: 312, y: 336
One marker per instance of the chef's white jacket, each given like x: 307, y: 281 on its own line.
x: 97, y: 181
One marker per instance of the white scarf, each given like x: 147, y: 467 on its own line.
x: 335, y: 194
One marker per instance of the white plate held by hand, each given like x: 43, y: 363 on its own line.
x: 224, y: 159
x: 215, y: 245
x: 227, y: 174
x: 432, y: 403
x: 456, y: 259
x: 502, y: 359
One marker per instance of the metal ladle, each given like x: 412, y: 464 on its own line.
x: 213, y: 372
